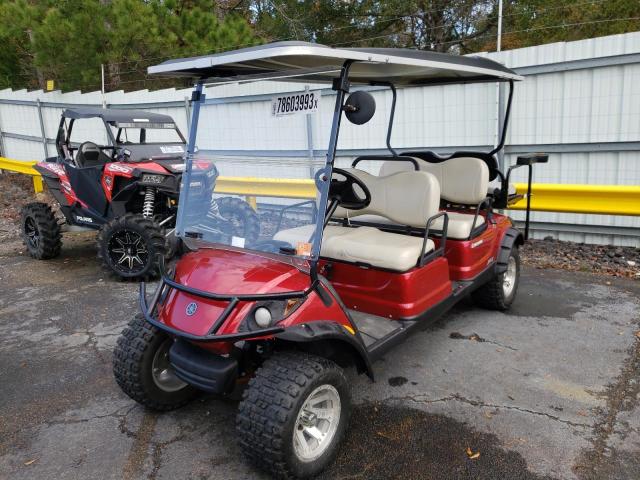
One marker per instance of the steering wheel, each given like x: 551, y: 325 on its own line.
x: 343, y: 191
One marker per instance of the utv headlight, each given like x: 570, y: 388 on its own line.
x: 262, y: 316
x: 151, y: 178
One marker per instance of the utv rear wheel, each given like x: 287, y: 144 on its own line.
x: 294, y: 414
x: 243, y: 220
x: 500, y: 292
x: 40, y: 231
x: 142, y: 369
x: 130, y: 246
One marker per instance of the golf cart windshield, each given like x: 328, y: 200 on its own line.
x: 237, y: 172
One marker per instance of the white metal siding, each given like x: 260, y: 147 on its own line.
x: 586, y: 106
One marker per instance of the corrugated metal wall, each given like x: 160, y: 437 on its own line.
x: 580, y: 102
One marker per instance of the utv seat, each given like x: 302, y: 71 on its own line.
x: 408, y: 198
x: 90, y: 155
x: 463, y: 181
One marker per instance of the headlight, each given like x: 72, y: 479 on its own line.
x: 262, y: 315
x: 269, y: 313
x: 150, y: 178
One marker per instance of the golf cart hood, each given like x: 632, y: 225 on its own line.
x: 237, y: 272
x: 227, y: 272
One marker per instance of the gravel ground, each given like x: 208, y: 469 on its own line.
x: 15, y: 191
x: 550, y: 389
x: 580, y: 257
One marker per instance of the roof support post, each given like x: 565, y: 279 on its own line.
x: 197, y: 99
x: 43, y: 132
x: 341, y: 85
x: 394, y: 98
x: 507, y: 114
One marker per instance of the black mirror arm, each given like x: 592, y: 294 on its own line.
x: 394, y: 97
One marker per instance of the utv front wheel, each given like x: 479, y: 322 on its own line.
x: 500, y: 292
x: 40, y: 231
x: 142, y: 369
x: 294, y: 414
x: 129, y: 246
x: 242, y: 220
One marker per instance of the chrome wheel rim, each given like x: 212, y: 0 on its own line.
x: 128, y: 251
x: 509, y: 279
x: 317, y: 423
x: 32, y: 233
x: 162, y: 372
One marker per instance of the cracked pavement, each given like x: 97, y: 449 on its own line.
x: 549, y: 390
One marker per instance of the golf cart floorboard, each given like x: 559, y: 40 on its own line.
x: 373, y: 328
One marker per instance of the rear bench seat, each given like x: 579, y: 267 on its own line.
x: 463, y: 180
x: 406, y: 198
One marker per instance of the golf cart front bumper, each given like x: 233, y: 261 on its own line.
x: 167, y: 284
x: 203, y: 369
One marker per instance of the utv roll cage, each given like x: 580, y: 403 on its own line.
x: 122, y: 117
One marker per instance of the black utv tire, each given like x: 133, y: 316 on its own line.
x: 134, y: 359
x: 142, y: 236
x: 268, y: 416
x: 40, y: 231
x: 244, y: 218
x: 500, y: 292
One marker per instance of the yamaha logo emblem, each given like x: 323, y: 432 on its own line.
x: 191, y: 308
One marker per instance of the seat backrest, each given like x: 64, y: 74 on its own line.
x: 407, y: 198
x: 462, y: 180
x: 90, y: 155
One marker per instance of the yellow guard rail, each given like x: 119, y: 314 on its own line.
x: 21, y: 166
x: 545, y: 197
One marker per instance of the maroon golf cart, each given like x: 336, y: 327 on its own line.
x: 349, y: 261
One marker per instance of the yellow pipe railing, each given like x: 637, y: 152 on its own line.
x: 595, y: 199
x: 545, y: 197
x: 20, y: 166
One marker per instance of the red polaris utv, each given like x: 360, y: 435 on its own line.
x: 119, y: 172
x: 333, y: 281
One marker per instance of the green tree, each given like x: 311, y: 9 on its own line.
x: 69, y: 40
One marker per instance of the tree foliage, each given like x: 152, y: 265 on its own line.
x: 68, y: 40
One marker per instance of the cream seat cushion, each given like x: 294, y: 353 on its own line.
x: 379, y: 249
x: 462, y: 180
x: 459, y: 223
x: 303, y: 233
x: 363, y: 244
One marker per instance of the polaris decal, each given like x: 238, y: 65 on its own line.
x: 114, y: 167
x: 84, y: 219
x: 477, y: 244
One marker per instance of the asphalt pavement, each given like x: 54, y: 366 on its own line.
x: 549, y: 390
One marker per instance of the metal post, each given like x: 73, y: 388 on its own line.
x: 341, y: 86
x: 187, y: 112
x: 309, y: 125
x: 197, y: 98
x: 499, y: 43
x: 501, y: 125
x: 3, y: 151
x: 499, y: 94
x: 43, y: 132
x: 104, y: 98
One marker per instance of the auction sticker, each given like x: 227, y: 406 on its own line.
x: 302, y: 102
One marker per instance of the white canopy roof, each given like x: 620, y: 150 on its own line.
x: 311, y: 62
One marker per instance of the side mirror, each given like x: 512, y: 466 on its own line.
x: 359, y: 107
